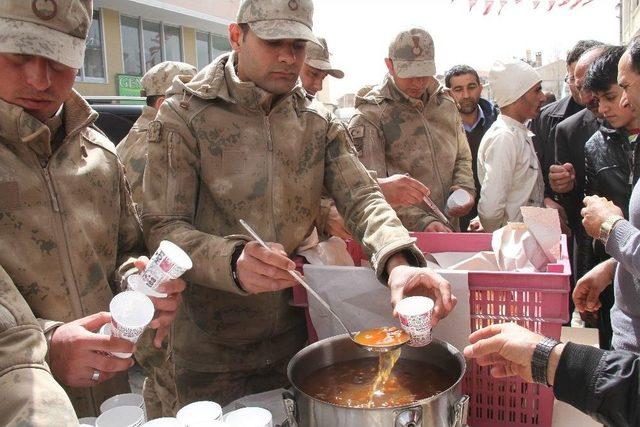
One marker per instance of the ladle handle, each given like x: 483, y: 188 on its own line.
x: 296, y: 276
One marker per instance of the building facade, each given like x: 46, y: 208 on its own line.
x: 128, y: 37
x: 629, y: 20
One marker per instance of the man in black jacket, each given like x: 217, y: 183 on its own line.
x: 612, y: 164
x: 544, y: 125
x: 566, y: 177
x: 603, y: 384
x: 478, y: 114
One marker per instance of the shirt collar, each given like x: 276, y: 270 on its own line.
x: 516, y: 125
x: 479, y: 120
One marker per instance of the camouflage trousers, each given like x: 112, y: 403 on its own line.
x: 158, y: 389
x: 159, y: 393
x: 226, y: 387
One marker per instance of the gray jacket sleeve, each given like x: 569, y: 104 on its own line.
x: 624, y: 245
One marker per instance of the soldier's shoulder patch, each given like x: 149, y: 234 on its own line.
x: 155, y: 129
x: 357, y: 132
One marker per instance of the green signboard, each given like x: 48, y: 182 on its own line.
x: 128, y: 85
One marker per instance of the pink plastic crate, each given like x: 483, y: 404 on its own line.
x: 537, y: 301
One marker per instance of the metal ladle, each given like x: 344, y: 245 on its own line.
x: 299, y: 279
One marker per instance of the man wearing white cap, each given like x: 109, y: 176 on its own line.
x: 409, y: 126
x: 508, y: 167
x: 243, y: 141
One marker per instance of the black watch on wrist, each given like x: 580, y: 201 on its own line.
x: 234, y: 265
x: 540, y: 360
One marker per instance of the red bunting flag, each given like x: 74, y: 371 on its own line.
x: 586, y: 2
x: 503, y: 3
x: 577, y: 2
x: 551, y: 4
x: 563, y: 2
x: 472, y: 3
x: 488, y: 4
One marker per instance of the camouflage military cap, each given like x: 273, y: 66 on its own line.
x: 412, y: 53
x: 318, y: 57
x: 278, y: 19
x: 55, y: 29
x: 158, y: 79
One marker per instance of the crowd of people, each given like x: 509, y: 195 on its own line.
x: 245, y: 138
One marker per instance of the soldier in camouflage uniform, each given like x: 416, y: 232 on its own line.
x: 399, y: 190
x: 133, y: 148
x: 133, y: 153
x: 23, y: 368
x: 317, y: 66
x: 242, y: 140
x: 410, y: 125
x: 65, y: 209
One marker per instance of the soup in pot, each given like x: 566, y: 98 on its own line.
x: 353, y: 383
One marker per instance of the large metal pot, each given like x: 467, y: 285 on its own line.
x: 448, y: 408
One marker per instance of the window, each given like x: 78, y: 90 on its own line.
x: 152, y: 45
x: 93, y: 68
x: 210, y: 46
x: 220, y: 45
x: 202, y: 48
x: 131, y: 57
x: 172, y: 44
x: 145, y: 44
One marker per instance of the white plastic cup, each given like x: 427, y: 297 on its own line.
x: 415, y: 317
x: 249, y: 417
x: 122, y: 416
x: 163, y: 422
x: 131, y: 312
x: 125, y: 399
x: 87, y: 421
x: 199, y: 412
x: 135, y: 282
x: 458, y: 198
x: 167, y: 263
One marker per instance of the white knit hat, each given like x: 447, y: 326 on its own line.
x: 511, y: 79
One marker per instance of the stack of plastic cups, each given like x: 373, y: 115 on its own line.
x: 121, y: 416
x: 249, y: 417
x: 199, y: 412
x: 125, y: 399
x: 163, y: 422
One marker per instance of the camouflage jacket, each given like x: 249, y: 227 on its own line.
x: 68, y: 217
x: 395, y: 134
x: 133, y: 153
x: 214, y: 157
x: 30, y: 395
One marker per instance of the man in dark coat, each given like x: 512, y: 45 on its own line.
x: 478, y: 114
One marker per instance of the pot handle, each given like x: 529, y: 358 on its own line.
x: 461, y: 411
x: 290, y: 409
x: 411, y: 417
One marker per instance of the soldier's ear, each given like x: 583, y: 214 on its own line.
x: 236, y: 36
x: 389, y: 64
x: 159, y: 102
